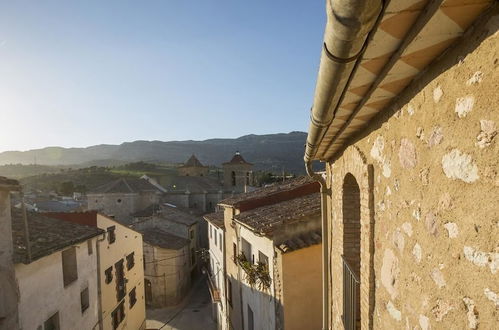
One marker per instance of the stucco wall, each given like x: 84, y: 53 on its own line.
x: 168, y: 272
x: 203, y: 201
x: 301, y: 275
x: 193, y: 171
x: 260, y: 301
x: 217, y: 270
x: 42, y: 291
x: 127, y: 241
x: 177, y: 198
x: 429, y: 186
x: 121, y: 205
x: 234, y: 310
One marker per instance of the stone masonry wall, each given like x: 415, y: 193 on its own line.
x: 428, y: 172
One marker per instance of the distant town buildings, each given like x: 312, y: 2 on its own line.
x: 193, y: 167
x: 171, y: 252
x: 68, y: 270
x: 237, y: 174
x: 123, y: 197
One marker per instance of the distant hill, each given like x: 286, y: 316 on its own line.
x: 268, y: 152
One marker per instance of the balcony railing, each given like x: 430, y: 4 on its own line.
x: 351, y: 295
x: 214, y: 292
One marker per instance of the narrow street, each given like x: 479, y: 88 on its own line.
x: 194, y: 313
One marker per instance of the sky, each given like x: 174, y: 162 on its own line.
x: 79, y: 73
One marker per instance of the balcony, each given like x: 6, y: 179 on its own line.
x: 214, y: 291
x: 351, y: 297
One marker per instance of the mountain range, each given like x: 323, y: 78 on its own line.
x: 275, y: 152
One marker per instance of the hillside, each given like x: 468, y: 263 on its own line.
x: 268, y: 152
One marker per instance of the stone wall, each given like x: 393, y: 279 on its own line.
x: 427, y: 170
x: 243, y: 176
x: 193, y: 171
x: 9, y: 294
x: 168, y: 272
x: 43, y: 294
x: 118, y: 205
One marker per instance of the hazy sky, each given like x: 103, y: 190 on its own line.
x: 79, y: 73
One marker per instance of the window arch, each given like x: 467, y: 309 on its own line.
x: 233, y: 178
x: 351, y: 252
x: 353, y: 246
x: 148, y: 291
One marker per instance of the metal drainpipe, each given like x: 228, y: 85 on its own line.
x: 99, y: 287
x: 325, y: 241
x: 348, y: 27
x: 26, y: 228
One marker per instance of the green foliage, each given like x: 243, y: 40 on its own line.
x: 254, y: 274
x: 83, y: 180
x: 263, y: 178
x: 66, y: 188
x: 81, y: 188
x: 264, y: 280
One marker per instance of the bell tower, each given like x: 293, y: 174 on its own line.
x: 237, y: 174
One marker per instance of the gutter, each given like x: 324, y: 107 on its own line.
x: 29, y: 255
x: 99, y: 285
x: 325, y: 241
x: 350, y: 23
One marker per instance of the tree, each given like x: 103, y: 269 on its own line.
x: 67, y: 188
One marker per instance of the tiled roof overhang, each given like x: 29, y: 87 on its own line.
x: 409, y: 36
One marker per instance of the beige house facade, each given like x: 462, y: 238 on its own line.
x: 407, y: 129
x: 270, y: 236
x: 121, y: 277
x: 216, y: 271
x: 120, y: 270
x: 56, y: 272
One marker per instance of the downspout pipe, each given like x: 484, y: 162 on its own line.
x: 325, y: 242
x: 99, y: 285
x: 348, y: 25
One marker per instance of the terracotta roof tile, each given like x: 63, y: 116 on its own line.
x: 160, y: 238
x: 237, y: 160
x: 301, y: 241
x: 215, y: 218
x: 125, y: 186
x: 267, y: 218
x: 147, y: 212
x: 193, y: 162
x: 10, y: 184
x: 46, y: 235
x: 178, y: 215
x: 269, y: 191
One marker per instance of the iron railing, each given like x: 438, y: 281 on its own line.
x: 214, y: 291
x: 351, y: 290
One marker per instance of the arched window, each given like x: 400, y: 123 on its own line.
x: 351, y: 253
x: 233, y: 178
x: 148, y: 291
x: 247, y: 178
